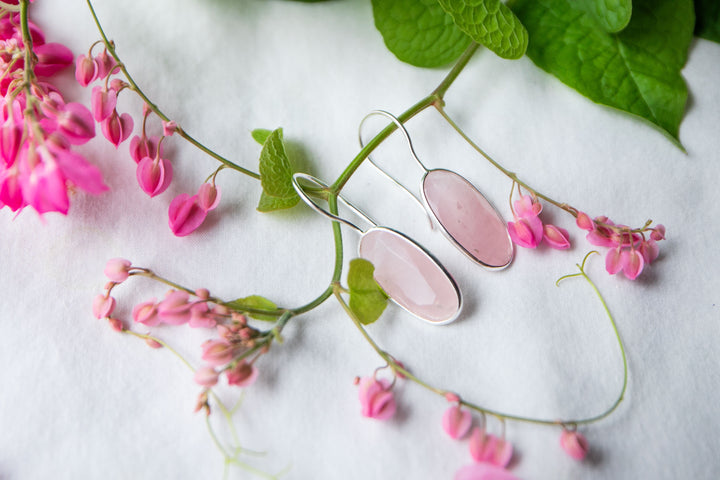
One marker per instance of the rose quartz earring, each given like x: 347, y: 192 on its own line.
x: 408, y: 274
x: 465, y: 216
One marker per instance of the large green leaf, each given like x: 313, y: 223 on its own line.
x: 367, y: 300
x: 636, y: 70
x: 490, y: 23
x: 275, y: 173
x: 707, y: 22
x: 419, y: 32
x: 612, y: 15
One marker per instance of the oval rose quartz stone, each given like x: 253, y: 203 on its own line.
x: 468, y: 218
x: 410, y: 276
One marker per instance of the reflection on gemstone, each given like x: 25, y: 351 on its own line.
x: 468, y: 218
x: 410, y: 276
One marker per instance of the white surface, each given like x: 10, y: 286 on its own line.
x: 81, y: 401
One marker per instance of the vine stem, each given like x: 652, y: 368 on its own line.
x: 134, y: 86
x: 399, y: 369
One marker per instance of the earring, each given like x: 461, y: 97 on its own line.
x: 410, y: 276
x: 465, y: 216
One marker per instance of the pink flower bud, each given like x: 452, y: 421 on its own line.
x: 105, y: 64
x: 526, y: 232
x: 376, y: 399
x: 613, y: 263
x: 658, y: 233
x: 169, y: 128
x: 103, y: 103
x: 142, y: 146
x: 175, y: 308
x: 208, y: 196
x: 206, y: 376
x: 574, y: 444
x: 103, y: 306
x: 117, y: 269
x: 649, y: 250
x: 154, y: 175
x: 556, y: 237
x: 527, y: 207
x: 201, y: 316
x: 217, y: 352
x: 632, y: 263
x: 152, y: 343
x: 489, y: 448
x: 75, y: 123
x: 185, y: 215
x: 146, y: 313
x: 452, y: 397
x: 202, y: 293
x: 456, y: 421
x: 51, y: 58
x: 117, y: 128
x: 116, y: 324
x: 583, y: 221
x: 85, y: 70
x: 242, y: 375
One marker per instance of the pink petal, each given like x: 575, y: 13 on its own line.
x: 103, y: 306
x: 557, y: 237
x: 242, y: 375
x: 52, y: 57
x: 217, y: 352
x: 117, y: 269
x: 175, y: 308
x: 613, y: 263
x: 649, y: 250
x: 526, y: 232
x: 526, y: 207
x: 658, y: 233
x: 146, y: 313
x: 103, y: 103
x: 503, y: 453
x: 206, y: 376
x: 584, y: 222
x: 80, y: 172
x: 105, y: 64
x: 483, y: 471
x: 208, y: 196
x: 185, y: 215
x: 574, y: 444
x: 154, y: 175
x: 117, y: 128
x: 85, y: 70
x: 76, y: 123
x: 632, y: 263
x: 456, y: 421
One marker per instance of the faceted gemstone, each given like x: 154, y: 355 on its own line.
x: 410, y: 276
x: 468, y: 218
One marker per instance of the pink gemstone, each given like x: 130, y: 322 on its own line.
x: 468, y: 218
x: 410, y: 276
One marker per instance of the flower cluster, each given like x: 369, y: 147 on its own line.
x: 38, y: 128
x: 528, y: 229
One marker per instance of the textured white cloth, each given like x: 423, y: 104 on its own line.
x: 82, y: 401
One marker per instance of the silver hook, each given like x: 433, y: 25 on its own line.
x: 402, y: 128
x: 310, y: 203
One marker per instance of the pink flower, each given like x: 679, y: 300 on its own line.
x: 117, y: 269
x: 208, y: 196
x: 103, y: 103
x: 613, y: 261
x: 117, y: 128
x: 574, y: 444
x: 154, y: 175
x: 201, y: 316
x: 146, y: 313
x: 86, y: 70
x: 185, y: 215
x: 489, y: 448
x: 217, y: 352
x: 152, y: 343
x: 658, y: 233
x: 174, y: 309
x: 143, y: 146
x: 105, y: 64
x: 79, y: 171
x: 116, y: 324
x: 483, y: 471
x: 556, y: 237
x: 526, y: 206
x: 376, y: 399
x: 632, y: 263
x: 526, y: 232
x: 206, y: 376
x: 456, y: 422
x: 649, y: 250
x: 243, y: 374
x: 584, y: 222
x: 41, y: 181
x: 103, y: 306
x: 52, y: 57
x: 169, y: 128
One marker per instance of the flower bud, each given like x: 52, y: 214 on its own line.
x: 574, y: 444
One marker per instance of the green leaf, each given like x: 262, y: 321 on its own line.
x: 636, y: 70
x: 612, y: 15
x: 707, y: 19
x: 367, y: 300
x: 490, y: 23
x: 261, y: 134
x: 254, y: 302
x: 275, y: 175
x: 419, y: 32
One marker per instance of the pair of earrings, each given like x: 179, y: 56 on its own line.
x: 410, y: 275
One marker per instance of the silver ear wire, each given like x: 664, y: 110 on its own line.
x: 405, y: 133
x: 310, y: 203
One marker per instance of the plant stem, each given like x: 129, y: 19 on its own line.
x: 134, y: 86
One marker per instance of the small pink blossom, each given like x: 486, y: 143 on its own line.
x: 51, y: 58
x: 575, y: 444
x: 86, y: 70
x: 146, y: 313
x: 117, y: 128
x: 169, y: 128
x: 632, y: 263
x: 556, y: 237
x: 217, y: 352
x: 658, y: 233
x: 152, y: 343
x: 117, y: 269
x: 456, y: 422
x: 483, y: 471
x: 174, y: 309
x: 116, y: 324
x: 206, y: 377
x: 103, y: 102
x: 243, y: 374
x: 143, y: 146
x: 489, y: 448
x: 208, y: 196
x: 103, y: 306
x: 376, y: 398
x: 201, y: 316
x: 526, y: 232
x: 527, y: 206
x: 154, y: 175
x: 584, y: 222
x: 650, y: 251
x: 185, y: 214
x: 613, y: 260
x: 452, y: 397
x: 105, y: 64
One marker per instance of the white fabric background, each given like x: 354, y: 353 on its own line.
x: 81, y: 401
